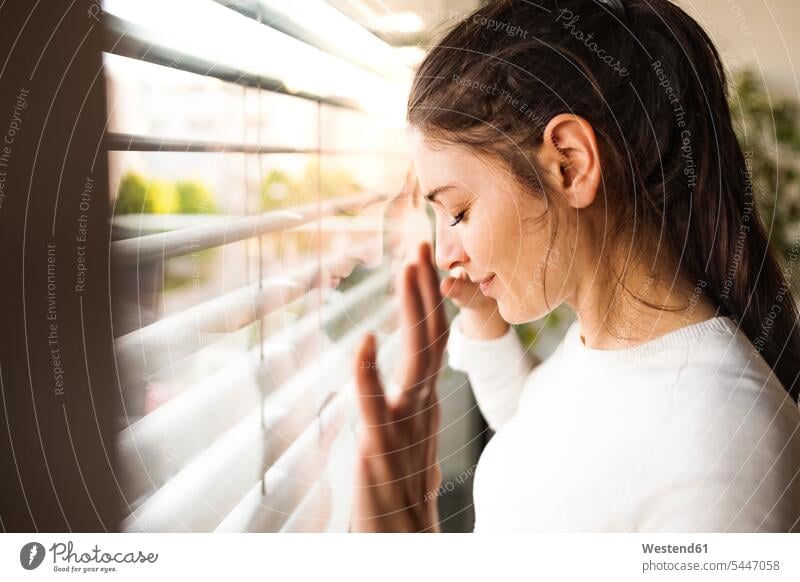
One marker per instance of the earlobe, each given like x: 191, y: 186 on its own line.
x: 570, y: 144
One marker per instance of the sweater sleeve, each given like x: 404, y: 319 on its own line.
x: 497, y: 370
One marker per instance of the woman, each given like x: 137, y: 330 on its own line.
x: 588, y: 158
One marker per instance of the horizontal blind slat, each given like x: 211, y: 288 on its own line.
x: 288, y: 480
x: 289, y: 483
x: 241, y: 53
x: 130, y: 142
x: 137, y: 42
x: 327, y: 506
x: 155, y: 346
x: 209, y: 487
x: 165, y: 245
x: 155, y: 447
x: 317, y: 23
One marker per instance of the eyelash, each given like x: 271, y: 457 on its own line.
x: 458, y: 218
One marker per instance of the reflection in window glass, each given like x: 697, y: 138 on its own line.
x: 234, y: 357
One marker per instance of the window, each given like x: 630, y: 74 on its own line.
x: 255, y: 156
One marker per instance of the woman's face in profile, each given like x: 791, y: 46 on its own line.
x: 487, y: 225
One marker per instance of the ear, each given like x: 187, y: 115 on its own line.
x: 569, y: 148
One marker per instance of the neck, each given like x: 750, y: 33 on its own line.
x: 633, y: 322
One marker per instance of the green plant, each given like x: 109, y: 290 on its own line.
x: 769, y: 131
x: 139, y: 195
x: 194, y: 198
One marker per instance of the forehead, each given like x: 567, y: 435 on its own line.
x: 437, y: 164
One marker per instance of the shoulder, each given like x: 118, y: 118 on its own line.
x: 726, y: 376
x: 732, y: 442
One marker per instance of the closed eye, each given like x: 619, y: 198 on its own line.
x: 458, y: 218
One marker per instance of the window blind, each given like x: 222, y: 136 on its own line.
x: 233, y: 348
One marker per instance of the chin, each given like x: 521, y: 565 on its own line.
x: 515, y: 313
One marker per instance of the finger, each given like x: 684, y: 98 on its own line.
x: 436, y: 319
x: 369, y: 392
x: 461, y: 291
x: 420, y: 405
x: 416, y: 358
x: 446, y: 286
x: 434, y: 419
x: 415, y: 334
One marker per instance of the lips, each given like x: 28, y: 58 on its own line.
x: 486, y: 283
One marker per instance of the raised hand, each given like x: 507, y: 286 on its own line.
x: 397, y: 471
x: 480, y: 317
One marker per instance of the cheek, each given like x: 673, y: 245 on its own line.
x: 483, y: 241
x: 524, y: 271
x: 522, y: 299
x: 511, y: 255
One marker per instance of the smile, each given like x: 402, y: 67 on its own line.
x: 486, y: 283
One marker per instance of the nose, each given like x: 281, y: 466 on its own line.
x: 450, y: 252
x: 369, y: 250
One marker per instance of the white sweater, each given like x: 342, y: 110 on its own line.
x: 687, y: 432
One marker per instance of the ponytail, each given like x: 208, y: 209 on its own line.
x: 726, y: 246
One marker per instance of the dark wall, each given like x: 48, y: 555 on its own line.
x: 57, y: 381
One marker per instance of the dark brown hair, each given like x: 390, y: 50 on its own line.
x: 651, y: 83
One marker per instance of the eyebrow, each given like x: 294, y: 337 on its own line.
x: 431, y: 196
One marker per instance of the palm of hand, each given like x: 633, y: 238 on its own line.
x: 397, y: 470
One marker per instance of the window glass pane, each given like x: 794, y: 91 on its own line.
x: 258, y: 326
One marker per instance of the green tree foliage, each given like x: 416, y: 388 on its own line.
x: 138, y: 195
x: 194, y: 198
x: 279, y: 190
